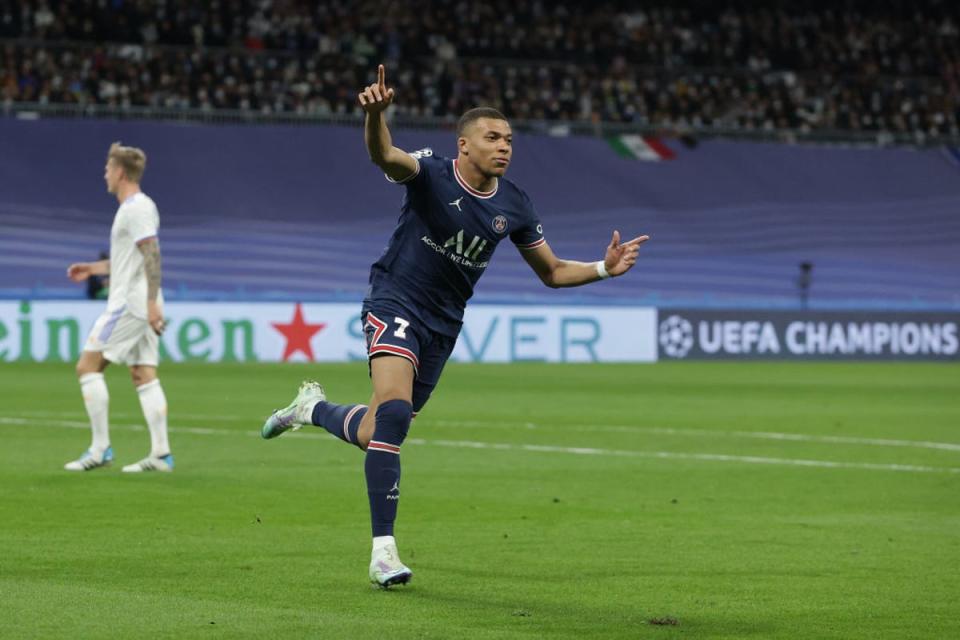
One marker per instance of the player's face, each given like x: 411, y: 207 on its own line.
x: 111, y: 175
x: 488, y: 144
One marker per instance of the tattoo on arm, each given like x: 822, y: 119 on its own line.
x: 151, y: 266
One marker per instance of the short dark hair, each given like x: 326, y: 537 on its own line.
x: 473, y: 115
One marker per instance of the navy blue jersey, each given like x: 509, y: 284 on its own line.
x: 444, y: 240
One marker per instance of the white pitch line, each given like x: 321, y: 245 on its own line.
x: 133, y: 415
x: 503, y: 446
x: 760, y: 435
x: 611, y: 428
x: 76, y: 424
x: 715, y: 457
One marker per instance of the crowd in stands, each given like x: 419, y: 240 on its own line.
x: 888, y: 65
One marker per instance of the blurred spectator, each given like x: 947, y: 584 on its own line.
x: 881, y: 66
x: 98, y: 287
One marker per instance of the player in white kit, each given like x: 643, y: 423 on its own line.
x: 128, y: 331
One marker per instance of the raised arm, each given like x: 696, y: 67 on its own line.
x: 80, y: 271
x: 394, y: 162
x: 150, y: 250
x: 555, y: 272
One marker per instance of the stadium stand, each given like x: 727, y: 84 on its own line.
x: 811, y: 66
x: 286, y: 212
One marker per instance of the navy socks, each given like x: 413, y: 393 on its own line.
x: 342, y: 420
x: 382, y: 464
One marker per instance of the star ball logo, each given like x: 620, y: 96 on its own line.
x: 676, y: 336
x: 298, y: 333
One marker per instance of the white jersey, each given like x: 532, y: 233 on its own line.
x: 137, y: 219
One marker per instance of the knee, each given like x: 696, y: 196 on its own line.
x: 393, y: 421
x: 84, y: 367
x: 140, y: 376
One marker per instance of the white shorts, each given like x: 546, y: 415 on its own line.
x: 123, y: 338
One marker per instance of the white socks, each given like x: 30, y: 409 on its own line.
x: 154, y: 405
x: 96, y: 399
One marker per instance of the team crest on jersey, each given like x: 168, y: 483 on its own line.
x: 500, y: 224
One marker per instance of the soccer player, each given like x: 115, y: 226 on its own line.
x: 453, y: 216
x: 128, y: 330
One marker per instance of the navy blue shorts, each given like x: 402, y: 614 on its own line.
x: 392, y: 330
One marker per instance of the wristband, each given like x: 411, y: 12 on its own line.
x: 602, y: 270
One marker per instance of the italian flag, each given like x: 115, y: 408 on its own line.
x: 637, y: 147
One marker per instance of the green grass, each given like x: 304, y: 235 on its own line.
x: 538, y: 502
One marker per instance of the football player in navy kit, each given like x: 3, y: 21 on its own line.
x: 454, y: 214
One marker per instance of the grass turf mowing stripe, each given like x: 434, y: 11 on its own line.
x: 612, y: 428
x: 502, y: 446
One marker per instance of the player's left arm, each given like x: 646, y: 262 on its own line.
x: 556, y: 272
x: 150, y: 250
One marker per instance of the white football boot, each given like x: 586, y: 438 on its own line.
x: 297, y: 413
x: 89, y: 461
x: 163, y: 463
x: 386, y: 569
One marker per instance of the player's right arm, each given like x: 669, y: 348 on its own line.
x: 396, y: 163
x: 80, y: 271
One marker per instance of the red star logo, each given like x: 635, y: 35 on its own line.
x: 298, y: 334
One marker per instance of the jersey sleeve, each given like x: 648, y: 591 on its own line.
x: 142, y: 222
x: 424, y: 159
x: 530, y: 234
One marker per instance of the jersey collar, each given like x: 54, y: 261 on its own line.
x: 471, y: 190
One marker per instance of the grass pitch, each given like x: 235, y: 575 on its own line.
x: 539, y: 501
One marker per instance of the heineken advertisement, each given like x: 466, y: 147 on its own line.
x: 44, y: 331
x: 41, y: 331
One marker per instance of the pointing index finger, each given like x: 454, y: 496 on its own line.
x: 381, y: 72
x: 637, y: 241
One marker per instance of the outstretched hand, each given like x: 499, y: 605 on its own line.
x: 377, y: 97
x: 620, y: 258
x: 79, y: 271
